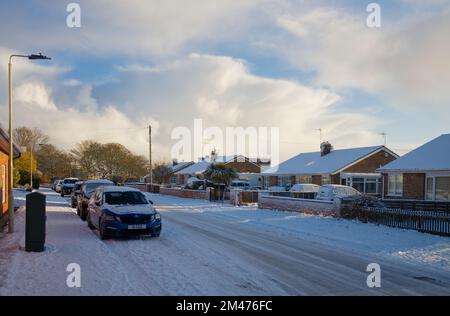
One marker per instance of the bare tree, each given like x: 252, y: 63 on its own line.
x: 27, y: 137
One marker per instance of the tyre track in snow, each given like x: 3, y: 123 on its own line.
x: 306, y: 267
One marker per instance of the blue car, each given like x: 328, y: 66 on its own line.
x: 122, y: 211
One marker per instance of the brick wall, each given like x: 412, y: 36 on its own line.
x: 317, y: 179
x: 327, y: 208
x: 190, y: 194
x: 372, y: 163
x: 244, y: 166
x: 4, y: 162
x: 414, y: 186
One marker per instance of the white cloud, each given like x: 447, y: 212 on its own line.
x: 223, y: 92
x: 407, y: 62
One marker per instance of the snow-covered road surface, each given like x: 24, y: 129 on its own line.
x: 213, y: 249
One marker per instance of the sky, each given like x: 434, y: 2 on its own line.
x: 292, y: 64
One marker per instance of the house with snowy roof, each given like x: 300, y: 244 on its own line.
x: 354, y: 167
x: 421, y: 174
x: 242, y: 165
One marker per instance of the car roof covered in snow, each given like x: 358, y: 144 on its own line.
x: 432, y: 156
x: 111, y: 188
x: 98, y: 181
x: 313, y: 163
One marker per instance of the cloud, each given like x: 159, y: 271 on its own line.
x: 406, y: 62
x: 134, y: 28
x: 223, y: 92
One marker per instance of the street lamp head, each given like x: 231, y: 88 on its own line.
x: 38, y: 56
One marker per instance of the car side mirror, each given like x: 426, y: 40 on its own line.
x: 150, y: 201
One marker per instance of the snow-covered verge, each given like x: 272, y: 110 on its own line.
x: 415, y: 247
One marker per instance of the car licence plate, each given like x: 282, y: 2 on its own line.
x: 140, y: 226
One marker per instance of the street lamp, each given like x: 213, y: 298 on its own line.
x: 38, y: 56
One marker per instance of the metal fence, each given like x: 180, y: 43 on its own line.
x: 429, y: 221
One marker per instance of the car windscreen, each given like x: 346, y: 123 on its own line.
x: 128, y: 197
x: 70, y: 181
x: 92, y: 186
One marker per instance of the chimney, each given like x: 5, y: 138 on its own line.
x: 325, y: 149
x: 213, y: 155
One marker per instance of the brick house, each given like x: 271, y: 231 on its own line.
x: 354, y: 167
x: 239, y: 163
x: 4, y: 154
x: 422, y: 174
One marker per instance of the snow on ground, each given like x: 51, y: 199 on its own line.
x: 410, y: 245
x: 218, y: 249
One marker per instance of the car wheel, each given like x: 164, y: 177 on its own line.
x: 89, y: 223
x: 62, y: 194
x: 101, y: 231
x: 83, y: 215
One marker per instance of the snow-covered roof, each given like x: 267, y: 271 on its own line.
x: 432, y: 156
x: 201, y: 166
x: 312, y: 163
x: 180, y: 165
x: 198, y: 167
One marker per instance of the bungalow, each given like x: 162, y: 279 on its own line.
x: 240, y: 163
x: 422, y: 174
x: 353, y: 167
x: 4, y: 154
x: 171, y: 177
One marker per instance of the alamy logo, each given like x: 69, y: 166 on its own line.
x: 374, y: 278
x: 374, y: 17
x: 74, y: 17
x: 74, y: 277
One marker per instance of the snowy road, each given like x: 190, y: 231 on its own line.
x: 211, y: 249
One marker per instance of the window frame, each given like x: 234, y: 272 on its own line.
x: 395, y: 193
x: 433, y: 176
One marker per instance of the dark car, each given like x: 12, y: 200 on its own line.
x: 87, y: 189
x: 122, y: 211
x: 67, y: 186
x: 75, y: 193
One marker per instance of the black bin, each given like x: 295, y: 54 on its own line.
x: 35, y: 222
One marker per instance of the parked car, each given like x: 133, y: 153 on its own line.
x: 87, y: 188
x: 277, y: 189
x: 331, y: 191
x: 58, y: 186
x: 54, y: 183
x: 67, y: 186
x: 305, y: 188
x: 75, y: 193
x: 240, y: 185
x: 122, y: 211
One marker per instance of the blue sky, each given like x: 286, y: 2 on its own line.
x: 298, y: 65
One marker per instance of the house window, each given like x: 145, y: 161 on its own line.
x: 303, y: 179
x: 284, y: 181
x: 358, y: 184
x: 326, y: 179
x: 369, y: 184
x: 438, y: 188
x: 395, y: 185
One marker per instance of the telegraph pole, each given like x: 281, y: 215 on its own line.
x: 150, y: 154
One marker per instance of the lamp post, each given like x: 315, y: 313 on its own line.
x: 11, y: 146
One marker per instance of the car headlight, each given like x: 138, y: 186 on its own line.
x: 157, y: 217
x: 109, y: 218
